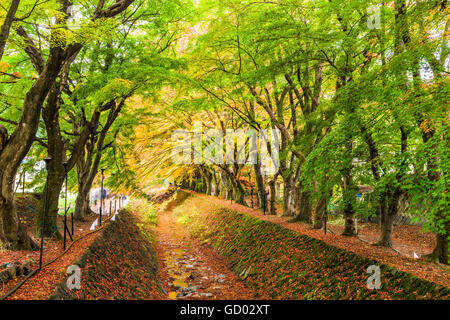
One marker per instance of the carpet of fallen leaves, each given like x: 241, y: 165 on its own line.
x: 406, y: 239
x: 121, y: 263
x: 192, y: 270
x: 209, y: 248
x: 287, y: 264
x: 42, y: 285
x: 26, y: 209
x: 419, y: 267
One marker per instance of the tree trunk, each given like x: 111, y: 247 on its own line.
x: 13, y: 235
x: 289, y: 197
x: 57, y: 152
x: 207, y: 179
x: 208, y: 185
x: 348, y: 190
x: 349, y: 227
x: 318, y: 213
x: 260, y: 190
x: 82, y: 205
x: 278, y: 191
x: 386, y: 223
x: 216, y: 184
x: 83, y: 165
x: 6, y: 27
x: 305, y: 212
x: 440, y: 252
x: 297, y: 198
x: 204, y: 186
x: 16, y: 149
x: 272, y: 210
x: 227, y: 189
x: 55, y: 183
x: 389, y: 208
x: 87, y: 165
x: 238, y: 192
x: 349, y: 194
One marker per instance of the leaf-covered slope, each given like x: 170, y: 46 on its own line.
x: 120, y: 264
x: 281, y: 264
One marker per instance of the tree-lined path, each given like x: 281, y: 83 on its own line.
x: 283, y: 122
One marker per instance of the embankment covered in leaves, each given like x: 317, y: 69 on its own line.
x: 121, y: 263
x: 281, y: 264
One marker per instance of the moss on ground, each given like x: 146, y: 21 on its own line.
x: 282, y: 264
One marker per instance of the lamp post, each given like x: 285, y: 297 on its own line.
x: 66, y: 229
x: 327, y: 198
x: 65, y: 205
x: 101, y: 198
x: 47, y: 164
x: 71, y: 221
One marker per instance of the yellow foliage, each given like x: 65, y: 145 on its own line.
x: 180, y: 283
x: 179, y: 252
x: 4, y: 66
x: 426, y: 126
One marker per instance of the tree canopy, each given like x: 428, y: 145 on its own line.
x: 358, y: 91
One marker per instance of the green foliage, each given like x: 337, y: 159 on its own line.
x: 360, y: 105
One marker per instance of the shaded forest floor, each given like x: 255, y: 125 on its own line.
x: 43, y: 284
x: 406, y: 240
x: 26, y: 206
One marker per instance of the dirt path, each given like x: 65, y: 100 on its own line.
x: 190, y: 270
